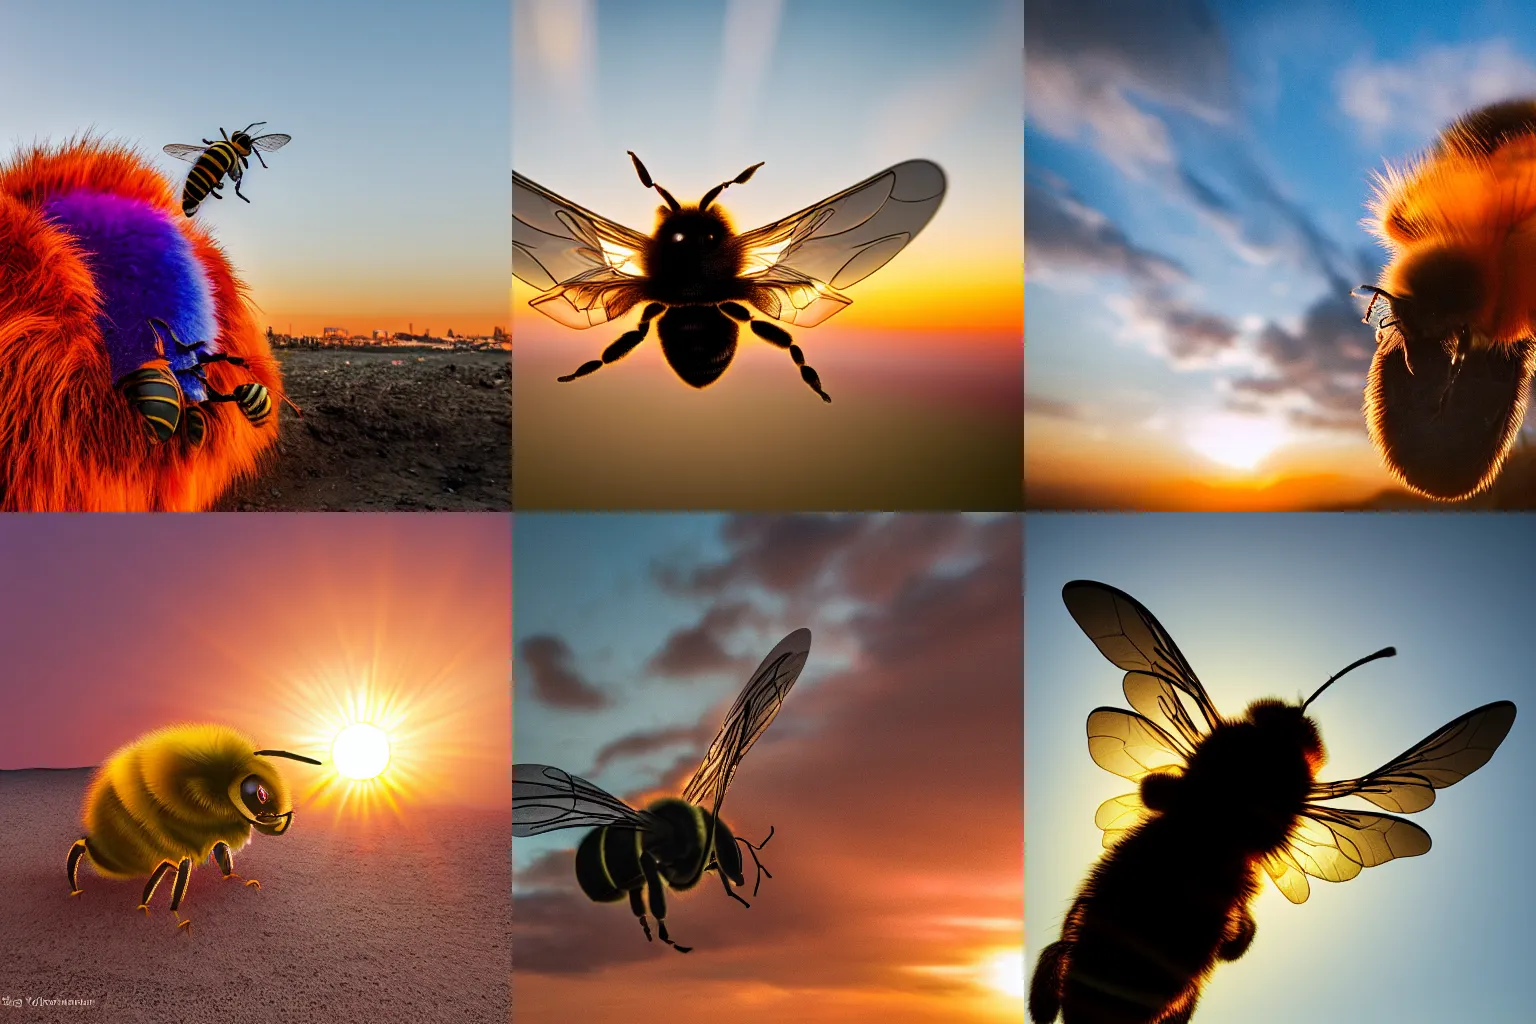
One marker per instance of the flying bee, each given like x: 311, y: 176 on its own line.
x: 673, y: 841
x: 214, y: 159
x: 252, y: 398
x: 1456, y: 334
x: 699, y: 276
x: 1219, y: 800
x: 174, y: 797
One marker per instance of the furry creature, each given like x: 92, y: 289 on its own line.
x: 92, y: 244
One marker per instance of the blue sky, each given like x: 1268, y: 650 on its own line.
x: 391, y: 202
x: 1197, y: 173
x: 1266, y: 605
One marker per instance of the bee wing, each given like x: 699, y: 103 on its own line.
x: 267, y: 143
x: 801, y: 260
x: 1131, y: 746
x: 754, y: 709
x: 1159, y: 702
x: 1336, y: 845
x: 1288, y: 876
x: 1132, y: 638
x: 182, y: 152
x: 1118, y: 815
x: 546, y: 799
x: 585, y: 264
x: 1408, y: 782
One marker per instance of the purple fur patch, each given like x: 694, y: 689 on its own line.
x: 143, y: 267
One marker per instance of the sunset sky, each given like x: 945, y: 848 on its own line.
x: 1271, y: 606
x: 389, y: 206
x: 1197, y: 174
x: 891, y: 776
x: 923, y: 367
x: 286, y: 627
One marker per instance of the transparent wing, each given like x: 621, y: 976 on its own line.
x: 754, y: 709
x: 547, y: 799
x: 188, y: 153
x: 1443, y: 758
x: 1129, y: 745
x: 267, y: 143
x: 1336, y: 845
x: 799, y: 262
x: 1159, y: 702
x: 1118, y: 815
x: 1131, y: 638
x: 586, y: 265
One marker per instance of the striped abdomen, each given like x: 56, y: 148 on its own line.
x: 255, y: 401
x: 214, y: 163
x: 156, y: 396
x: 129, y: 832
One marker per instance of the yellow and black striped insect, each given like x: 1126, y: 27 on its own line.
x: 176, y: 796
x: 155, y: 395
x: 253, y: 398
x: 214, y: 159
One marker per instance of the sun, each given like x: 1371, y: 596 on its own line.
x: 1003, y: 972
x: 360, y: 752
x: 1236, y: 441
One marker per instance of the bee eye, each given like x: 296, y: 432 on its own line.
x: 261, y: 793
x: 677, y: 237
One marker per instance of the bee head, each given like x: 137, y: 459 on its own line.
x: 692, y: 232
x: 1437, y: 293
x: 261, y: 795
x: 1287, y: 726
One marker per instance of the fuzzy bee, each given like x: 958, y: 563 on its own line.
x: 673, y: 842
x: 214, y: 159
x: 174, y: 797
x: 699, y: 276
x: 1220, y: 800
x: 1455, y: 309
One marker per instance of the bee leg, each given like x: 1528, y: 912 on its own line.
x: 75, y: 853
x: 776, y: 335
x: 658, y: 900
x: 183, y: 874
x: 1045, y: 986
x: 237, y: 190
x: 637, y: 904
x: 226, y: 861
x: 613, y: 353
x: 154, y: 880
x: 1242, y: 929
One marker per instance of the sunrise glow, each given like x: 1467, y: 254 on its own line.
x: 361, y: 751
x: 1236, y: 441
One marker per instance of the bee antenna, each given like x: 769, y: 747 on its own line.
x: 284, y: 753
x: 645, y: 179
x: 1385, y: 652
x: 740, y: 179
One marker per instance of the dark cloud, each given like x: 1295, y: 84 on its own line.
x: 1061, y: 232
x: 1057, y: 408
x: 1317, y: 372
x: 555, y: 680
x: 778, y: 553
x: 700, y: 649
x: 638, y: 743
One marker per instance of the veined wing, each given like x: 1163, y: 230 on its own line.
x: 1336, y: 845
x: 1131, y: 746
x: 1118, y: 815
x: 547, y: 799
x: 267, y: 143
x: 1159, y: 702
x: 576, y: 257
x: 1132, y: 638
x: 1443, y: 758
x: 184, y: 152
x: 799, y: 262
x: 754, y: 709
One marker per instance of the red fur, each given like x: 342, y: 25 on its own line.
x: 68, y: 439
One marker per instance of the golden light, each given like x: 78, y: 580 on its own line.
x: 1004, y: 972
x: 1236, y: 441
x: 361, y: 751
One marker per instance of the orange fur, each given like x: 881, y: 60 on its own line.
x: 68, y: 439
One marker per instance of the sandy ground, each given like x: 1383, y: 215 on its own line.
x: 398, y: 922
x: 431, y: 434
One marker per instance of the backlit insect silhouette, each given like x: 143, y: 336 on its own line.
x: 673, y: 841
x: 1219, y: 800
x: 699, y: 276
x: 1455, y: 309
x: 216, y: 158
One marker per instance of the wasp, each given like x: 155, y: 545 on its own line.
x: 1220, y: 801
x: 673, y: 842
x: 253, y: 398
x: 215, y: 159
x: 699, y: 276
x: 176, y: 796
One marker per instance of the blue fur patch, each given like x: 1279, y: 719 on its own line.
x: 144, y: 267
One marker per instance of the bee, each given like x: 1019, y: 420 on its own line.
x: 253, y: 398
x: 1456, y: 327
x: 175, y: 796
x: 155, y: 394
x: 1219, y: 800
x: 214, y: 159
x: 699, y: 276
x: 673, y: 841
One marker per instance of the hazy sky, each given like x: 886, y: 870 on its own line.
x: 923, y: 367
x: 891, y: 776
x: 390, y: 204
x: 1271, y: 606
x: 1197, y: 174
x: 276, y: 625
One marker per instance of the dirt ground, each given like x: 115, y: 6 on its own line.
x: 355, y: 923
x: 433, y: 433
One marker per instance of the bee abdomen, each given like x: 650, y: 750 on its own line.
x: 156, y: 396
x: 255, y: 400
